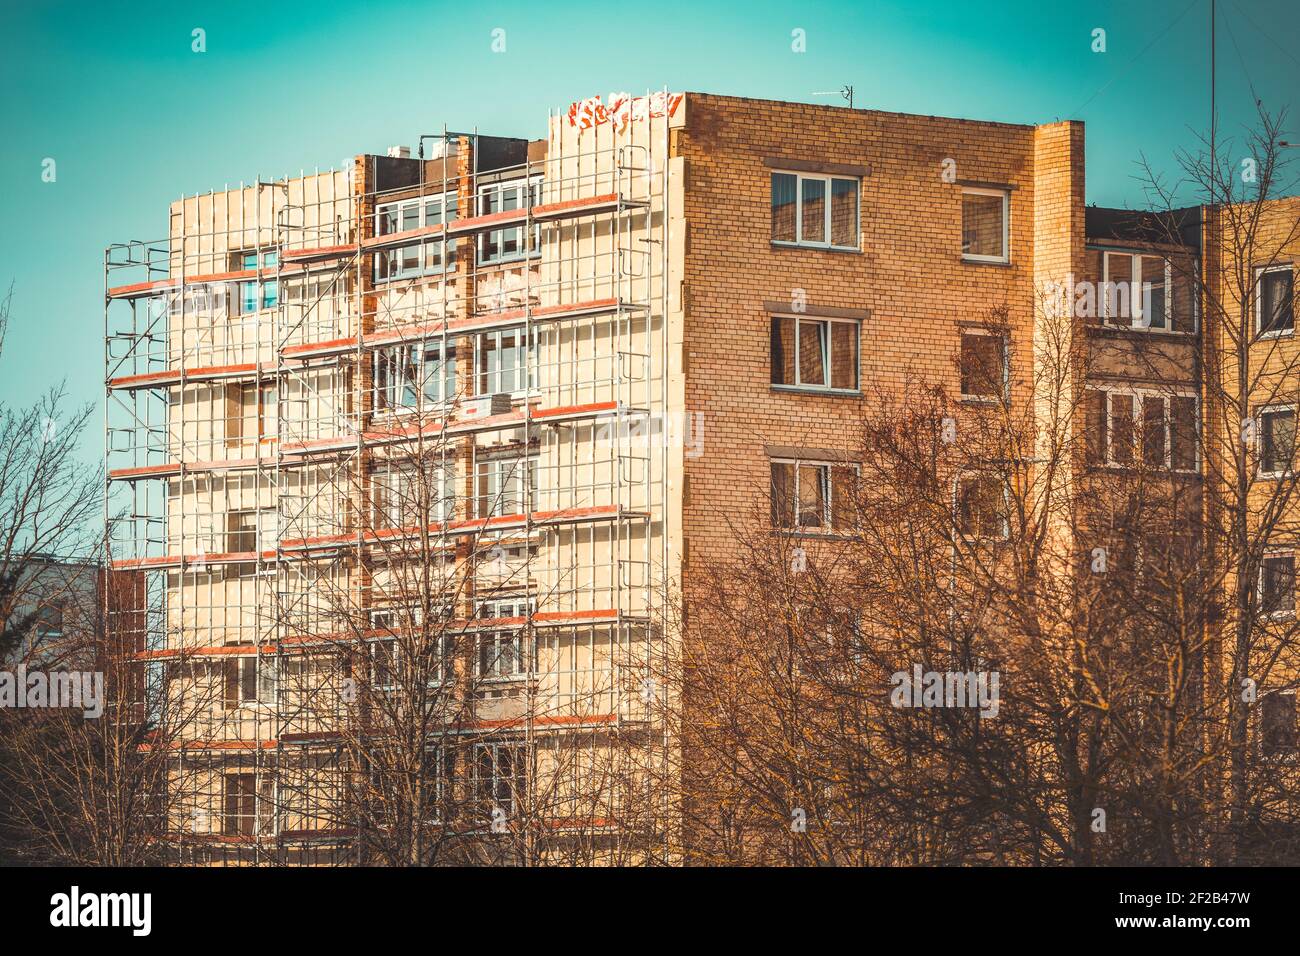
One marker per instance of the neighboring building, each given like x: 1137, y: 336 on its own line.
x: 554, y: 363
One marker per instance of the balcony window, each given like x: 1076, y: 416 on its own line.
x: 417, y: 258
x: 505, y: 245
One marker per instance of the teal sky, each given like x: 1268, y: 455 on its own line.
x: 133, y: 118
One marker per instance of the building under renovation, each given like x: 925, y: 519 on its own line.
x: 390, y: 428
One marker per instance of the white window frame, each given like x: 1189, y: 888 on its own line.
x: 1259, y: 438
x: 1005, y: 195
x: 1142, y: 394
x: 1135, y: 321
x: 393, y: 479
x: 828, y: 180
x: 521, y: 470
x: 830, y: 348
x: 530, y: 192
x: 447, y: 246
x: 504, y: 608
x: 827, y: 526
x: 1260, y: 272
x: 392, y: 386
x: 1006, y: 364
x: 1259, y: 584
x: 525, y: 374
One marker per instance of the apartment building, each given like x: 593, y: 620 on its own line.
x: 495, y: 395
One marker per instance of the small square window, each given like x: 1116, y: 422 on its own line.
x: 984, y: 225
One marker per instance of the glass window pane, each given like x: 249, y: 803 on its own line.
x: 844, y: 212
x: 1182, y: 432
x: 982, y: 226
x: 1121, y: 428
x: 783, y: 350
x: 812, y: 210
x: 1153, y: 431
x: 783, y: 207
x: 1118, y: 291
x: 844, y: 355
x: 982, y: 365
x: 813, y: 480
x: 1276, y: 301
x: 1278, y: 440
x: 782, y: 494
x: 812, y: 352
x: 1150, y: 309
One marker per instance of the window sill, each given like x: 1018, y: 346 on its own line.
x: 1274, y: 475
x: 814, y: 534
x: 1280, y: 334
x: 983, y: 400
x: 1106, y: 326
x: 1116, y: 467
x: 815, y: 247
x: 815, y: 390
x: 972, y: 261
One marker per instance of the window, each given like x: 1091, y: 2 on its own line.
x: 981, y: 507
x: 503, y: 245
x: 418, y: 258
x: 504, y: 361
x: 1277, y: 722
x: 1276, y: 441
x: 983, y: 365
x: 499, y: 775
x: 386, y: 653
x: 256, y: 294
x: 807, y: 494
x: 506, y: 486
x: 1137, y: 291
x: 502, y: 654
x: 403, y: 493
x: 812, y: 210
x: 985, y: 230
x: 1277, y: 584
x: 815, y: 353
x: 240, y: 804
x: 408, y: 377
x: 249, y: 681
x: 1275, y: 303
x: 250, y: 412
x: 48, y: 623
x: 1155, y: 429
x: 241, y: 529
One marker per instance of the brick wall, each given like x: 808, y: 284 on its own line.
x: 908, y: 275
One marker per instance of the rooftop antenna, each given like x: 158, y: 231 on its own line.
x: 847, y: 93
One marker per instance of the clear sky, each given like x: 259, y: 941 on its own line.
x: 133, y: 118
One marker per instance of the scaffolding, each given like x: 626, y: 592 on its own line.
x: 402, y: 422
